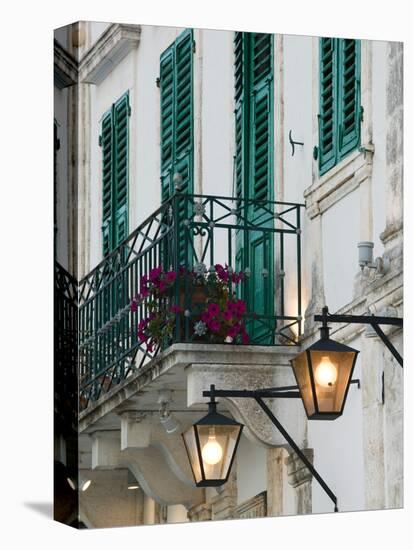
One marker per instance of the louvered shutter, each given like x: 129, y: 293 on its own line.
x: 183, y: 115
x: 349, y: 95
x: 177, y: 114
x: 176, y: 84
x: 239, y: 113
x: 339, y: 118
x: 167, y: 83
x: 121, y: 132
x: 262, y: 113
x: 328, y: 104
x: 107, y: 163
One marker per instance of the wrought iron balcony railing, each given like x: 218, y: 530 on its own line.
x: 190, y: 234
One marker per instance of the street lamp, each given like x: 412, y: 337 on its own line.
x: 323, y: 374
x: 211, y: 444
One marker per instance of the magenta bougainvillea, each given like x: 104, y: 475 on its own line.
x: 220, y: 317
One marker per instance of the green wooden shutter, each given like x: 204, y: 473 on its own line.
x: 239, y: 113
x: 349, y: 95
x: 261, y: 115
x: 107, y: 162
x: 121, y: 133
x: 114, y: 141
x: 328, y: 104
x: 176, y: 84
x: 167, y: 121
x: 183, y: 109
x: 340, y: 110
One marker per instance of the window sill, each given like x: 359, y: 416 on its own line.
x: 339, y: 181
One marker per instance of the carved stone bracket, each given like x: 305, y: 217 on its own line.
x: 300, y: 478
x: 149, y: 466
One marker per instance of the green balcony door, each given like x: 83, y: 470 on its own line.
x: 177, y: 144
x: 254, y: 175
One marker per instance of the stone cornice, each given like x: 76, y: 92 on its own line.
x: 107, y: 52
x: 65, y: 67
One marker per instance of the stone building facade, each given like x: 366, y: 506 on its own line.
x: 332, y: 110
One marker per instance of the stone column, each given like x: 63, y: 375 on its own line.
x: 148, y: 510
x: 275, y: 481
x: 300, y: 479
x: 223, y: 505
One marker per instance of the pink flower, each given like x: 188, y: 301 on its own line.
x: 244, y: 336
x: 170, y: 276
x: 234, y: 330
x: 144, y: 280
x: 227, y: 315
x: 214, y: 326
x: 134, y: 306
x: 162, y: 286
x: 213, y: 309
x: 154, y: 274
x: 142, y: 324
x: 232, y: 307
x: 241, y: 307
x: 237, y: 277
x: 144, y: 291
x: 206, y: 317
x: 176, y: 309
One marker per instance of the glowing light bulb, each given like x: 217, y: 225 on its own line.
x: 326, y: 373
x: 212, y: 450
x: 85, y: 485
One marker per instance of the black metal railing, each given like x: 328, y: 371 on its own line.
x: 66, y: 340
x: 190, y: 234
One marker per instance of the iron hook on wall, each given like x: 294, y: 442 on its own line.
x: 294, y: 143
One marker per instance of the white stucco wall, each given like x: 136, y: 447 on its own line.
x: 340, y: 235
x: 251, y: 469
x: 60, y: 115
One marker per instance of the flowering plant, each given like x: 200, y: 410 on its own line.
x: 154, y: 296
x: 219, y: 317
x: 223, y: 315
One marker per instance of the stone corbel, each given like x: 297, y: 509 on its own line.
x: 300, y: 478
x: 149, y: 466
x: 148, y: 432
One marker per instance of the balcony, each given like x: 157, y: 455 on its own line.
x: 190, y: 236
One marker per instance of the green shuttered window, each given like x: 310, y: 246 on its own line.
x: 114, y: 141
x: 176, y: 76
x: 340, y: 110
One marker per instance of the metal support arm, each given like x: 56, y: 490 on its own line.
x: 372, y: 320
x: 283, y: 392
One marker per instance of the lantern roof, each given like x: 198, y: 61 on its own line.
x: 214, y: 417
x: 327, y: 344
